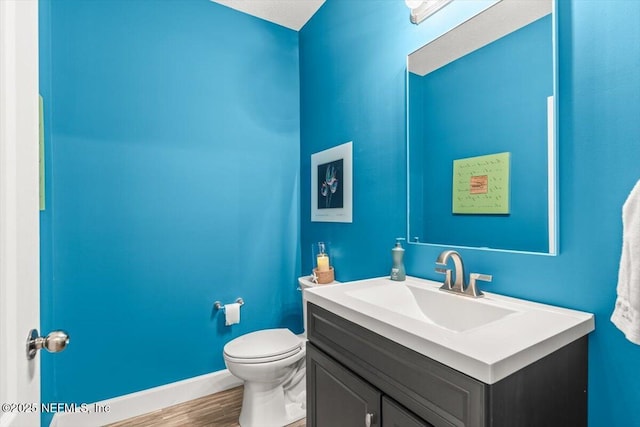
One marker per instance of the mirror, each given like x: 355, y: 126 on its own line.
x: 481, y: 132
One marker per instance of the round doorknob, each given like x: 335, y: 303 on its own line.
x: 55, y: 342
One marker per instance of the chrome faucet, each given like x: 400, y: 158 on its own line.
x: 458, y: 287
x: 444, y: 256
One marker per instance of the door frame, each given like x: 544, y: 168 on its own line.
x: 19, y: 211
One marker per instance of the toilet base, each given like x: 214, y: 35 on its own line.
x: 265, y: 405
x: 295, y: 412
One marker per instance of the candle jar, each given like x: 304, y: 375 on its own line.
x: 322, y: 269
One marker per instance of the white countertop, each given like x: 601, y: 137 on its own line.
x: 488, y: 353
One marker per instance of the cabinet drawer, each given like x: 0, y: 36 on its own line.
x: 436, y: 393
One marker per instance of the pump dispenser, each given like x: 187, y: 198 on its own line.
x: 397, y: 253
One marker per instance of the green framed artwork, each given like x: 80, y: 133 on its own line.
x: 481, y: 184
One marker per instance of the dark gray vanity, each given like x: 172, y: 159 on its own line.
x: 356, y: 377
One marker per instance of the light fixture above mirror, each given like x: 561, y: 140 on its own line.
x: 422, y: 9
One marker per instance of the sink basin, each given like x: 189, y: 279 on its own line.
x: 486, y: 338
x: 456, y: 313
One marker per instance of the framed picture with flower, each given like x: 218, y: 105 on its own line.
x: 332, y: 184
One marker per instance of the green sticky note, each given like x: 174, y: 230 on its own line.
x: 41, y: 157
x: 481, y: 184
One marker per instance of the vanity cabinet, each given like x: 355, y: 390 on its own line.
x: 356, y: 377
x: 341, y: 398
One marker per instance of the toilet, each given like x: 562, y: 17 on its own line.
x: 271, y: 363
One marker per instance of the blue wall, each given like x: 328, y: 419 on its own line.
x: 352, y: 62
x: 352, y: 88
x: 173, y: 163
x: 490, y: 101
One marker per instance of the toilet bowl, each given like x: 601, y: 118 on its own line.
x: 272, y: 365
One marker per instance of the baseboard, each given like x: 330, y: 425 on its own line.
x: 145, y: 401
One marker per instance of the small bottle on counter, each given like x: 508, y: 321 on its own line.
x: 397, y: 253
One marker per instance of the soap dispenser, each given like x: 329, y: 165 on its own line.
x: 397, y: 253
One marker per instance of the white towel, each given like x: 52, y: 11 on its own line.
x: 231, y: 314
x: 626, y: 315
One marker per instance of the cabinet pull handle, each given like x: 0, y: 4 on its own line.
x: 368, y: 419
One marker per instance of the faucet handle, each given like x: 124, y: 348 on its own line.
x: 482, y: 277
x: 472, y: 288
x: 447, y: 277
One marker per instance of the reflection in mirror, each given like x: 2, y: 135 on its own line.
x: 481, y: 93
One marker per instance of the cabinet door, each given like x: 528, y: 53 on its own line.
x: 434, y: 392
x: 394, y: 415
x: 336, y: 397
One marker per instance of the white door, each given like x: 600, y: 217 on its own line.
x: 19, y: 216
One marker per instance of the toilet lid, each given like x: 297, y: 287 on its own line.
x: 263, y: 344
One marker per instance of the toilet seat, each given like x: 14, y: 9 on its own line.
x: 268, y: 345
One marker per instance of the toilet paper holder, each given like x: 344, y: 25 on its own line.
x: 218, y: 305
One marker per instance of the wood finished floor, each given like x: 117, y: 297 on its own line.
x: 216, y: 410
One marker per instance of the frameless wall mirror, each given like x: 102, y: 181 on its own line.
x: 481, y: 132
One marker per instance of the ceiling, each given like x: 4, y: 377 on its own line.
x: 500, y: 19
x: 288, y: 13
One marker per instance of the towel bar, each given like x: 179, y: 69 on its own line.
x: 218, y: 305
